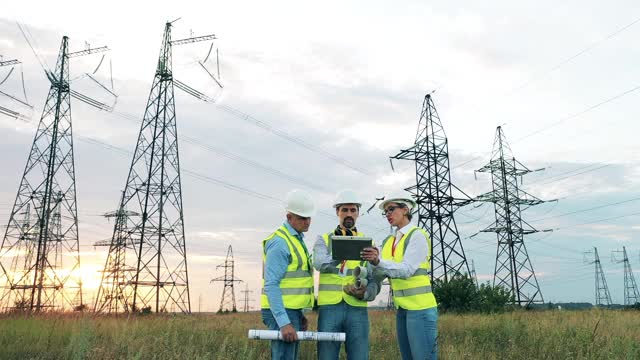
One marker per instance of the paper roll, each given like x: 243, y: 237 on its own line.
x: 302, y: 335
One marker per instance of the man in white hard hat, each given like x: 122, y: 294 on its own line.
x: 405, y: 258
x: 342, y: 305
x: 287, y: 276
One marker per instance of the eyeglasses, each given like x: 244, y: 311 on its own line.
x: 390, y: 209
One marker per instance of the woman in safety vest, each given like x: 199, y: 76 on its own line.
x: 405, y: 259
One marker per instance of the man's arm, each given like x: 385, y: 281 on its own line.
x: 322, y: 260
x: 275, y: 268
x: 373, y: 285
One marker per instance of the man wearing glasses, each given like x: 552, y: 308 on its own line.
x: 287, y: 276
x: 342, y: 306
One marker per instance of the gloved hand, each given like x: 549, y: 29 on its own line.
x: 355, y: 292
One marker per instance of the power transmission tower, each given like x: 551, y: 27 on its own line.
x: 44, y: 250
x: 631, y: 294
x: 513, y: 270
x: 228, y: 299
x: 112, y: 293
x: 434, y: 194
x: 474, y: 275
x: 147, y: 261
x: 246, y: 300
x: 602, y: 290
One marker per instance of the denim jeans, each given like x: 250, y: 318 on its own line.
x: 417, y: 332
x: 353, y: 321
x: 281, y: 350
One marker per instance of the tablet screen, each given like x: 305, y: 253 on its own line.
x: 348, y: 247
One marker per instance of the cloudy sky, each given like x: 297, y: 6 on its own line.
x: 348, y: 79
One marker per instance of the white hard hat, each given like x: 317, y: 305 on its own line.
x: 300, y: 203
x: 347, y: 197
x: 399, y: 199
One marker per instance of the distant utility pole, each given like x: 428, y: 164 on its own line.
x: 602, y: 290
x: 41, y: 241
x: 473, y: 273
x: 513, y: 269
x: 246, y: 300
x: 631, y: 294
x: 228, y: 299
x: 434, y: 194
x: 112, y: 293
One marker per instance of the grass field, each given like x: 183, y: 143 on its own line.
x: 596, y: 334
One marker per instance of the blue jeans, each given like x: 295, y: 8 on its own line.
x: 353, y: 321
x: 281, y: 350
x: 417, y: 332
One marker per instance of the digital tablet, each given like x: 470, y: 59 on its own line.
x: 348, y: 247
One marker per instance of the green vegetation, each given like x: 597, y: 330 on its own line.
x: 594, y: 334
x: 460, y: 294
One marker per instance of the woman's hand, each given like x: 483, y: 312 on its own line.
x: 371, y: 255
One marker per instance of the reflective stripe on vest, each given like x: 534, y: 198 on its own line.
x: 413, y: 293
x: 332, y: 282
x: 296, y: 285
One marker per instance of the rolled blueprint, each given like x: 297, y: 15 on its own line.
x: 302, y: 335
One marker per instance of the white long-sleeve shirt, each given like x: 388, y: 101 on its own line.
x: 416, y: 253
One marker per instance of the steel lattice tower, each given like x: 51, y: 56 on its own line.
x: 147, y: 262
x: 113, y: 290
x: 434, y: 194
x: 228, y: 299
x: 603, y: 297
x: 41, y: 239
x: 513, y: 269
x: 631, y: 294
x: 246, y: 300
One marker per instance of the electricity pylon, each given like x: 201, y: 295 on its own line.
x: 513, y: 270
x: 228, y: 299
x: 602, y: 290
x: 113, y: 289
x: 631, y: 294
x: 41, y: 238
x: 434, y: 194
x: 473, y: 274
x: 245, y: 294
x: 147, y: 261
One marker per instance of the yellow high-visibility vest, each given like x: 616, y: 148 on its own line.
x: 331, y: 282
x: 413, y: 293
x: 297, y: 284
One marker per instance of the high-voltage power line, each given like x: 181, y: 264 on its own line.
x: 228, y: 299
x: 434, y: 194
x: 41, y: 238
x: 245, y: 298
x: 147, y: 262
x: 631, y: 294
x: 603, y: 297
x: 513, y: 269
x: 13, y: 99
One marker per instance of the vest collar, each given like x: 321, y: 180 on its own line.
x: 293, y: 231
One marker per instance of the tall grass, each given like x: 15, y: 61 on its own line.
x: 595, y: 334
